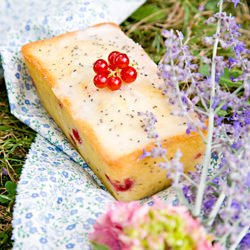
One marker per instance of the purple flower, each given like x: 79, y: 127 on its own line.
x: 239, y: 48
x: 145, y: 154
x: 5, y: 171
x: 235, y: 2
x: 216, y: 102
x: 149, y: 121
x: 245, y: 243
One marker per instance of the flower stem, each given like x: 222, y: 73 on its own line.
x: 239, y: 238
x: 234, y: 93
x: 182, y: 106
x: 207, y: 157
x: 216, y: 208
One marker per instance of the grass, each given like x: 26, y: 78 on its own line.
x: 15, y: 141
x: 144, y: 26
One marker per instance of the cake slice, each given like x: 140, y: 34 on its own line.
x: 104, y: 125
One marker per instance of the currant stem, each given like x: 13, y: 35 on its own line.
x: 207, y: 157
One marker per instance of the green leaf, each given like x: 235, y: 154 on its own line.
x: 148, y: 10
x: 4, y: 128
x: 11, y: 187
x: 204, y: 69
x: 4, y: 199
x: 97, y: 246
x: 3, y: 237
x: 226, y: 78
x: 222, y: 113
x: 186, y: 17
x: 212, y: 5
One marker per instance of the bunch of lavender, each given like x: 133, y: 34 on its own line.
x: 219, y: 196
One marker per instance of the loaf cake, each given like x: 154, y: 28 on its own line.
x: 104, y: 125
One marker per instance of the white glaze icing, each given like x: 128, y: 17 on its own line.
x: 111, y: 114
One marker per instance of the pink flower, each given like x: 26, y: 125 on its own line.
x: 110, y: 225
x: 128, y: 226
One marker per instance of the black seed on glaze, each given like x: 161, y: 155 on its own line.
x: 74, y: 70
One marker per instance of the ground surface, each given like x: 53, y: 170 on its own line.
x: 144, y: 26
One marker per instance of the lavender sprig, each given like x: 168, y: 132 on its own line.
x: 207, y: 157
x: 219, y: 194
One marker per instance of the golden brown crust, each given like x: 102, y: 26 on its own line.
x: 102, y: 163
x: 106, y: 23
x: 38, y: 64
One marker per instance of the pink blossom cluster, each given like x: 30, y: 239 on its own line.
x: 123, y: 228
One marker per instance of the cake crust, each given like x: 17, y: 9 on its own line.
x: 121, y: 170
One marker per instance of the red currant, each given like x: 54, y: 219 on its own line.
x: 77, y: 135
x: 100, y: 66
x: 100, y: 81
x: 128, y: 74
x: 112, y: 56
x: 114, y: 83
x: 121, y: 61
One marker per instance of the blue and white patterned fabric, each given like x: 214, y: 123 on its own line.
x: 58, y: 201
x: 59, y: 197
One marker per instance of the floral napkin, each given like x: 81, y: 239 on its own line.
x: 59, y: 197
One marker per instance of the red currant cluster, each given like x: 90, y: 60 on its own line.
x: 111, y: 75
